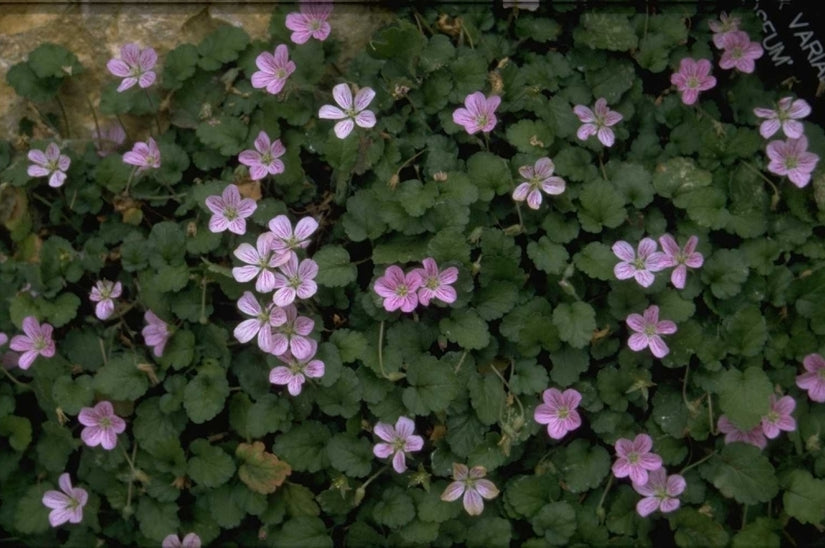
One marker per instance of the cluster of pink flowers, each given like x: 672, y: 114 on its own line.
x: 634, y: 459
x: 398, y: 440
x: 789, y: 157
x: 643, y: 263
x: 597, y: 121
x: 539, y: 177
x: 420, y: 285
x: 737, y: 49
x: 777, y: 420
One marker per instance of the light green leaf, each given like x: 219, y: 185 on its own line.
x: 596, y: 260
x: 804, y: 497
x: 466, y: 328
x: 222, y: 46
x: 18, y: 430
x: 548, y: 256
x: 584, y: 466
x: 156, y: 519
x: 575, y: 323
x: 601, y: 206
x: 725, y: 271
x: 744, y: 396
x: 334, y: 266
x: 120, y: 379
x: 224, y: 133
x: 487, y: 397
x: 608, y: 31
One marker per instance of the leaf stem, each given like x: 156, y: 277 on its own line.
x: 154, y: 110
x: 775, y: 198
x: 600, y: 506
x: 697, y: 463
x: 22, y: 385
x: 63, y: 114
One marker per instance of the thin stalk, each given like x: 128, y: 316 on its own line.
x: 154, y: 110
x: 94, y: 117
x: 103, y: 351
x: 710, y: 415
x: 601, y: 165
x: 697, y: 463
x: 600, y: 506
x: 744, y: 516
x: 461, y: 361
x: 133, y: 476
x: 202, y: 319
x: 22, y: 385
x: 761, y: 175
x: 63, y: 114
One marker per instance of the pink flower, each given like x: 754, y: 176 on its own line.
x: 49, y: 164
x: 286, y: 239
x: 192, y: 540
x: 479, y: 114
x: 274, y: 70
x: 37, y: 341
x: 558, y: 412
x: 733, y: 434
x: 259, y: 262
x: 648, y: 328
x: 296, y: 371
x: 143, y: 155
x: 792, y: 158
x: 264, y: 159
x: 400, y: 440
x: 739, y: 52
x: 779, y: 417
x: 660, y: 492
x: 472, y: 486
x: 66, y: 506
x: 111, y: 136
x: 295, y: 280
x: 635, y: 459
x: 723, y: 27
x: 539, y: 176
x: 814, y: 380
x: 261, y: 322
x: 135, y: 66
x: 693, y: 76
x: 641, y: 266
x: 102, y: 425
x: 351, y: 112
x: 156, y: 333
x: 291, y: 335
x: 310, y: 22
x: 680, y: 258
x: 103, y: 293
x: 785, y: 116
x: 398, y: 289
x: 230, y: 211
x: 597, y: 122
x: 435, y: 284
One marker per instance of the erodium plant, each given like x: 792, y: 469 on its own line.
x: 506, y: 277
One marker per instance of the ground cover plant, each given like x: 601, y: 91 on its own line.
x: 509, y: 277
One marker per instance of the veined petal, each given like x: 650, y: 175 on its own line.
x: 363, y: 98
x: 344, y: 128
x: 329, y: 112
x: 343, y: 96
x: 365, y: 119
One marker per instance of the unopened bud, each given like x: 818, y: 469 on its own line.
x: 360, y: 493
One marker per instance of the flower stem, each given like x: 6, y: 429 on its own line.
x: 154, y: 110
x: 22, y: 385
x: 94, y: 117
x: 63, y: 114
x: 697, y: 463
x: 600, y: 506
x: 775, y: 198
x: 460, y: 361
x: 710, y: 415
x: 601, y: 165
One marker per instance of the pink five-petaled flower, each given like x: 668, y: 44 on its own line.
x: 479, y: 114
x: 472, y: 486
x: 647, y: 330
x: 259, y: 260
x: 37, y: 341
x: 274, y: 70
x: 398, y: 290
x: 311, y: 22
x: 400, y: 440
x: 786, y: 117
x: 791, y: 158
x: 264, y: 159
x: 230, y: 211
x: 143, y: 155
x: 779, y: 417
x: 693, y: 76
x: 134, y: 66
x: 156, y: 333
x: 814, y: 379
x: 679, y: 258
x: 755, y: 436
x: 558, y: 411
x: 639, y: 265
x: 723, y: 27
x: 435, y: 284
x: 66, y: 505
x: 104, y: 293
x: 597, y: 122
x: 287, y: 240
x: 192, y: 540
x: 101, y: 425
x: 352, y: 110
x: 294, y: 374
x: 49, y: 164
x: 635, y: 459
x: 295, y: 280
x: 539, y: 176
x: 739, y: 52
x: 291, y: 334
x: 659, y: 492
x: 261, y: 322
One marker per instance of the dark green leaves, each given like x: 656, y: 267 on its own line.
x: 743, y: 473
x: 575, y: 323
x: 744, y: 396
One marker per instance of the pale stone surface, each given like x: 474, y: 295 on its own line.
x: 95, y: 33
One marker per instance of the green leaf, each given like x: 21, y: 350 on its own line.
x: 299, y: 500
x: 179, y: 351
x: 804, y: 497
x: 432, y: 386
x: 179, y: 65
x: 334, y: 266
x: 705, y: 207
x: 54, y: 446
x: 810, y: 294
x: 568, y: 365
x: 744, y: 396
x: 156, y: 519
x: 725, y: 271
x: 584, y: 466
x: 466, y: 328
x: 695, y: 530
x: 210, y: 466
x: 437, y: 53
x: 360, y: 221
x: 575, y: 323
x: 303, y: 532
x: 204, y: 396
x: 526, y: 495
x: 537, y: 29
x: 222, y: 46
x: 350, y: 455
x: 679, y: 175
x: 394, y: 509
x: 633, y: 181
x: 351, y: 344
x: 608, y: 31
x: 304, y: 447
x: 530, y: 136
x: 401, y: 43
x: 743, y: 473
x: 746, y: 331
x: 596, y: 260
x: 762, y: 531
x: 224, y: 133
x: 556, y: 521
x: 51, y: 60
x: 491, y: 531
x: 548, y: 257
x: 495, y: 299
x: 490, y: 173
x: 487, y: 397
x: 73, y: 394
x: 120, y: 379
x: 261, y: 471
x: 18, y: 430
x: 31, y: 517
x: 601, y: 206
x: 26, y: 83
